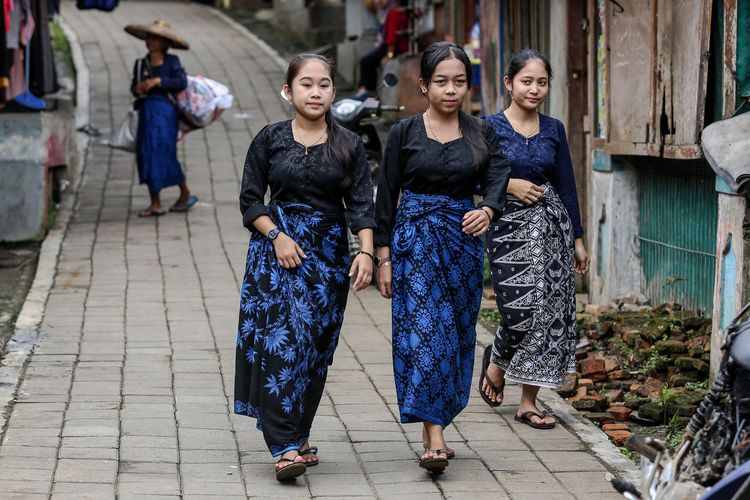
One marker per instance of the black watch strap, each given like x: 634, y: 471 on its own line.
x: 273, y: 233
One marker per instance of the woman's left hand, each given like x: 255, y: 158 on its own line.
x: 476, y: 222
x: 362, y: 268
x: 148, y: 84
x: 581, y: 265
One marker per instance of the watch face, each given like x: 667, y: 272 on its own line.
x: 273, y: 233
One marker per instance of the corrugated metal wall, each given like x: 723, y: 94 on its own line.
x: 677, y: 231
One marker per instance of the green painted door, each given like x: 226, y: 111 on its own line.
x: 677, y: 232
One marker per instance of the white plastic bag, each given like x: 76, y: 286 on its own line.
x: 202, y: 101
x: 124, y: 137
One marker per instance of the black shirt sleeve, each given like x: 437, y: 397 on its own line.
x: 496, y: 173
x: 389, y: 187
x: 255, y: 180
x: 358, y: 196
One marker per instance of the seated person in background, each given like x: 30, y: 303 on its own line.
x: 391, y: 41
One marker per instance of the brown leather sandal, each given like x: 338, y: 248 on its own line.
x: 312, y: 450
x: 525, y: 418
x: 291, y: 471
x: 436, y: 465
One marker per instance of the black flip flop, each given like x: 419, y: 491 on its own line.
x: 435, y: 465
x: 525, y: 418
x: 312, y: 450
x: 289, y: 472
x: 486, y: 360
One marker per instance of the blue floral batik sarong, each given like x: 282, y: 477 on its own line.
x: 289, y: 325
x: 156, y: 144
x: 437, y: 291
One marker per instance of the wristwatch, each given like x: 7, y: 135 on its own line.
x: 381, y: 262
x: 273, y: 233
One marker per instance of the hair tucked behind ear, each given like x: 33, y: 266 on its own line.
x: 470, y: 126
x: 337, y: 150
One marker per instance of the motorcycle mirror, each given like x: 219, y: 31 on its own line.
x: 390, y: 80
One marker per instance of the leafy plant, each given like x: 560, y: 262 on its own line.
x: 675, y: 431
x: 633, y: 456
x: 654, y: 362
x: 697, y: 386
x: 489, y: 315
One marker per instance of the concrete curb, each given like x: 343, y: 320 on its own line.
x: 597, y: 442
x: 20, y: 347
x: 270, y: 51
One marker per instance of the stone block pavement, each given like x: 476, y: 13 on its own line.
x: 128, y: 394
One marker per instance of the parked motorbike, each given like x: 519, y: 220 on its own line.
x: 360, y: 116
x: 713, y: 460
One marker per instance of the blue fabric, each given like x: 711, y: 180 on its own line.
x: 437, y: 291
x: 105, y: 5
x: 156, y: 144
x: 289, y: 325
x: 544, y: 158
x: 171, y: 72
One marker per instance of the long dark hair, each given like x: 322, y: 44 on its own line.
x: 521, y: 58
x: 470, y: 126
x: 338, y: 150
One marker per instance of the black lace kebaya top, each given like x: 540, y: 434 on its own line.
x: 275, y: 159
x: 414, y: 162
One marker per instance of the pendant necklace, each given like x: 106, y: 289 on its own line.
x: 429, y: 124
x: 525, y: 136
x: 299, y: 137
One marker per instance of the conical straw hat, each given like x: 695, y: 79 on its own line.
x: 158, y: 28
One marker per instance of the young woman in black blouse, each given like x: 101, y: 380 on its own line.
x: 429, y: 249
x: 298, y: 267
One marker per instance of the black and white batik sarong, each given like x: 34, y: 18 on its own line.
x: 531, y: 258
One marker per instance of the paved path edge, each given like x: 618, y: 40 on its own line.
x: 592, y: 436
x: 20, y: 347
x: 270, y: 51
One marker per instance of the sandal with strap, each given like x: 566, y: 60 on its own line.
x: 486, y: 360
x: 525, y: 418
x: 436, y: 465
x: 291, y: 471
x: 312, y: 450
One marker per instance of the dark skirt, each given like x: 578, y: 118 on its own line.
x: 289, y: 325
x: 156, y: 144
x: 437, y: 291
x: 531, y: 258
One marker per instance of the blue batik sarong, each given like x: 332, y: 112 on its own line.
x: 437, y: 292
x: 289, y: 325
x: 156, y: 144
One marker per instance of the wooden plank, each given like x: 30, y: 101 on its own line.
x: 630, y: 34
x: 492, y: 71
x: 729, y: 264
x: 683, y: 28
x: 674, y: 152
x: 729, y: 86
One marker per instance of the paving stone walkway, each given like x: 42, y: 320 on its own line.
x: 128, y: 394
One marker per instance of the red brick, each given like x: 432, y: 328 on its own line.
x: 615, y: 427
x: 618, y: 437
x: 620, y: 413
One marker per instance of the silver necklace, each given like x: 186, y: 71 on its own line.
x: 299, y: 137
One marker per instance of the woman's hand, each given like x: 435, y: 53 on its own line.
x: 362, y: 268
x: 288, y: 252
x: 476, y: 222
x: 528, y: 192
x: 384, y: 280
x: 146, y: 85
x: 581, y: 265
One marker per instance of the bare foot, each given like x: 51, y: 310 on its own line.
x: 291, y: 455
x: 426, y: 445
x: 310, y: 458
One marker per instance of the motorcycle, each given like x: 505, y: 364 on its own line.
x: 360, y: 116
x: 713, y: 460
